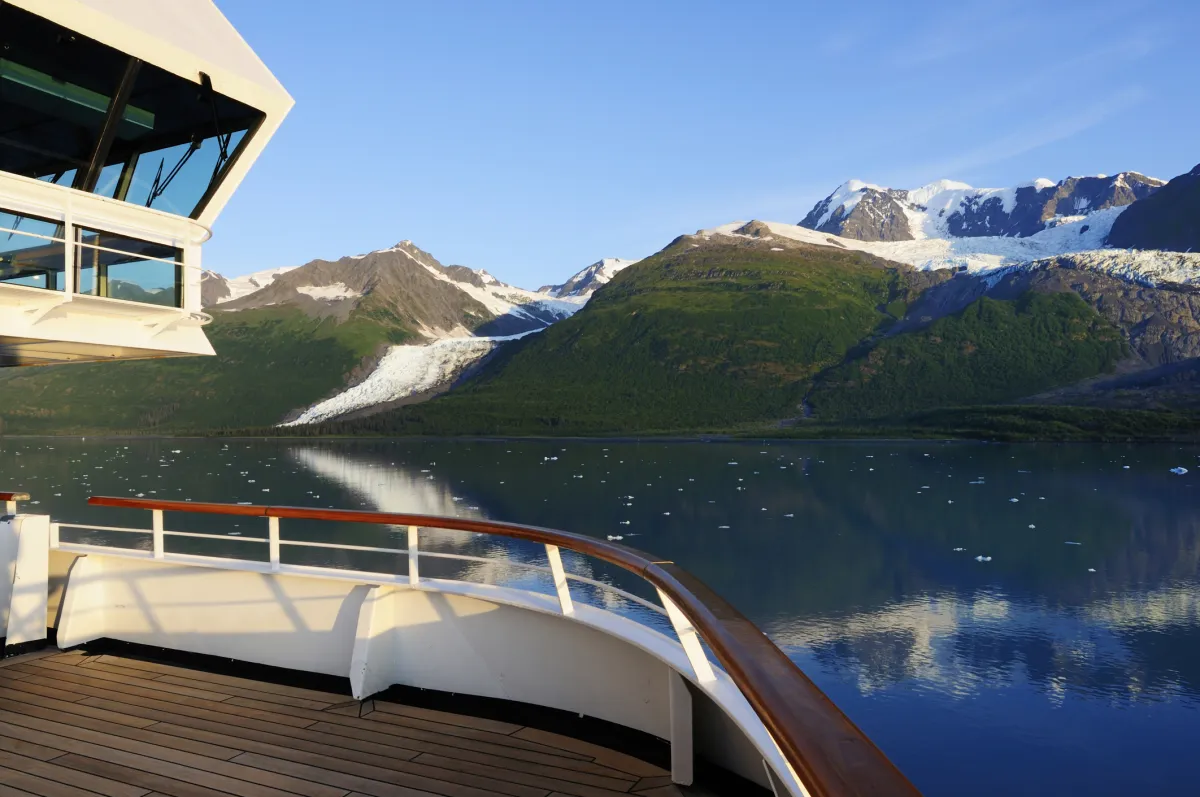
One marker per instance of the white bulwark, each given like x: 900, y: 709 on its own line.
x: 125, y: 127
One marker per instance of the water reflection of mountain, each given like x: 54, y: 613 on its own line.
x: 387, y: 484
x: 865, y: 576
x: 1127, y: 648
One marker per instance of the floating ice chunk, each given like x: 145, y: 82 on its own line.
x: 618, y: 537
x: 949, y: 502
x: 983, y: 558
x: 1032, y: 526
x: 1179, y: 471
x: 1091, y: 570
x: 1013, y: 500
x: 1124, y: 467
x: 1069, y: 542
x: 958, y: 550
x: 722, y: 527
x: 730, y: 463
x: 666, y: 513
x: 789, y: 515
x: 624, y: 522
x: 924, y: 486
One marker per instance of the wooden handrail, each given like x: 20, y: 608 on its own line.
x: 14, y: 496
x: 828, y: 752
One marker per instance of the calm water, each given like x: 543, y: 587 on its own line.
x: 1054, y: 668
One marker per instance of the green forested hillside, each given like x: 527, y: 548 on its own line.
x: 268, y: 362
x: 696, y: 337
x: 748, y: 335
x: 991, y: 352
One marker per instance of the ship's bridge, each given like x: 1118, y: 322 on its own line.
x: 125, y: 126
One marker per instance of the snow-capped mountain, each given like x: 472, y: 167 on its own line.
x: 215, y: 288
x: 411, y: 286
x: 455, y: 316
x: 1084, y: 236
x: 948, y: 209
x: 587, y: 281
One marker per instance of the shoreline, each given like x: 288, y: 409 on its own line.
x: 622, y: 439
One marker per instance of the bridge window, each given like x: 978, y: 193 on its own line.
x: 76, y: 112
x: 120, y: 267
x: 32, y: 251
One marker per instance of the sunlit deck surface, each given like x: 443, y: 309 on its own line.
x: 78, y: 725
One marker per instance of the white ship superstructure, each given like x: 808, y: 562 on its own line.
x: 125, y: 126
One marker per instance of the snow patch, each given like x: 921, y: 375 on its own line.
x: 329, y: 293
x: 248, y: 284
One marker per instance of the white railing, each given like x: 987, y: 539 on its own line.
x: 158, y: 535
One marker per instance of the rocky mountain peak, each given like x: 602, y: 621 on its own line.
x: 950, y: 209
x: 585, y: 282
x: 1168, y: 219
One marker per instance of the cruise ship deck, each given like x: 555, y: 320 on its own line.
x: 74, y: 724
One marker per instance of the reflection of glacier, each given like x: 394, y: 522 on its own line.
x: 387, y: 487
x: 393, y: 488
x: 964, y: 645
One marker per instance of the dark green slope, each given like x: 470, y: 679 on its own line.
x: 268, y: 362
x: 1167, y: 219
x: 703, y: 335
x: 991, y: 352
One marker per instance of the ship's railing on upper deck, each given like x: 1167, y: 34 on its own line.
x: 10, y: 501
x: 828, y: 754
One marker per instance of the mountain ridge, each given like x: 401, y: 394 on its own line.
x: 950, y: 209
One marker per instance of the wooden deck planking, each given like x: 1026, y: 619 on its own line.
x: 74, y: 725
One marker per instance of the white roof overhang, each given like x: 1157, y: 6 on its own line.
x: 185, y: 37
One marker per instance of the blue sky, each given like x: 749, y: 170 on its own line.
x: 533, y: 138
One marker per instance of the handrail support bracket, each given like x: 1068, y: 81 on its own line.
x: 701, y: 667
x: 560, y: 580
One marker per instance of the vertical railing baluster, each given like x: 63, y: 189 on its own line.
x: 273, y: 541
x: 53, y: 536
x: 560, y: 580
x: 414, y: 570
x: 10, y: 507
x: 159, y: 550
x: 701, y: 667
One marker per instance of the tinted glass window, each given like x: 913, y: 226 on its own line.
x: 120, y: 267
x: 28, y: 254
x: 173, y: 140
x: 54, y: 92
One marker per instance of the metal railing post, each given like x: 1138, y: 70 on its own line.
x: 560, y: 580
x: 414, y: 570
x: 159, y: 550
x: 53, y: 536
x: 701, y: 667
x: 10, y: 507
x: 273, y: 541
